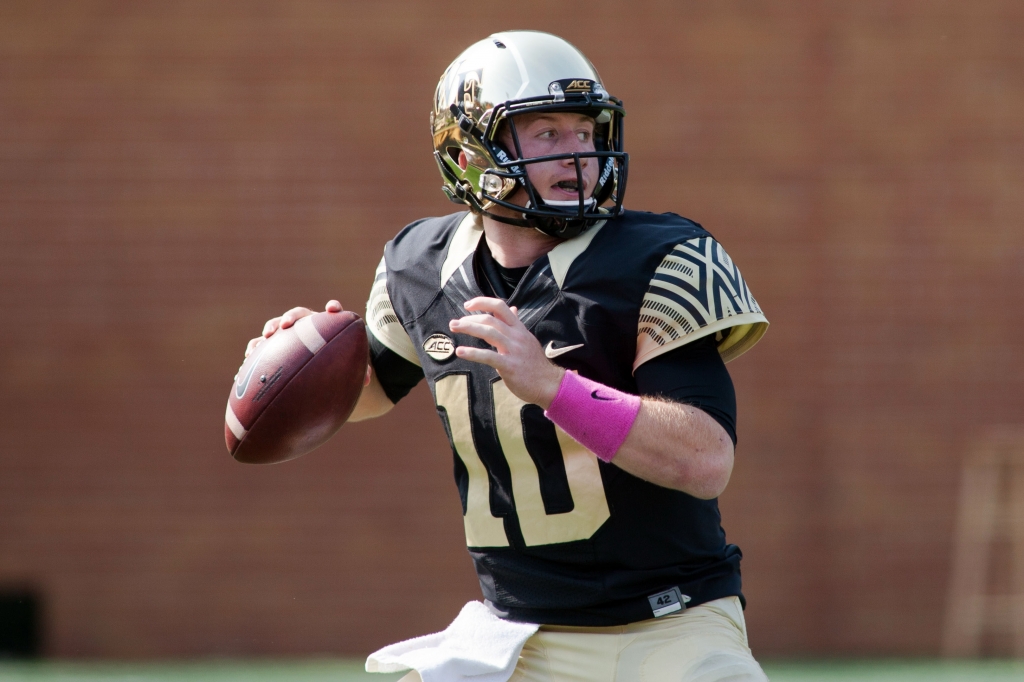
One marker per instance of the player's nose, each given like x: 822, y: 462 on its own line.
x: 575, y: 146
x: 569, y: 143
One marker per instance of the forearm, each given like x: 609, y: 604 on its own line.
x: 666, y: 443
x: 373, y: 402
x: 677, y: 446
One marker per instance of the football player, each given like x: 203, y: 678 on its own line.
x: 576, y: 353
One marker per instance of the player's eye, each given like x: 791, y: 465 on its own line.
x: 583, y: 135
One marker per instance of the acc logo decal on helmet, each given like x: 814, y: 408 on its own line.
x: 578, y: 85
x: 439, y: 347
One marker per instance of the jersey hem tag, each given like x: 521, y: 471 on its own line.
x: 669, y: 601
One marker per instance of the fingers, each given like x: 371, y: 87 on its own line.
x: 498, y: 326
x: 287, y: 320
x: 271, y: 326
x: 296, y: 314
x: 251, y: 346
x: 484, y: 327
x: 494, y: 306
x: 293, y: 316
x: 484, y: 357
x: 517, y: 355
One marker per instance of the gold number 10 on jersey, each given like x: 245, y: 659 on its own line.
x: 590, y: 507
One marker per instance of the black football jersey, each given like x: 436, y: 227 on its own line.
x: 557, y: 536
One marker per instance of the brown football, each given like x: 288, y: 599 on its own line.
x: 296, y: 388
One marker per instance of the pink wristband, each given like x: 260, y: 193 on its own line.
x: 597, y: 417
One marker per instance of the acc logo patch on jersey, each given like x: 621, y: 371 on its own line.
x: 439, y: 346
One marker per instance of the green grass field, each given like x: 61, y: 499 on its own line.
x: 352, y: 671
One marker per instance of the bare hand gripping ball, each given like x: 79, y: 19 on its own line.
x: 297, y: 388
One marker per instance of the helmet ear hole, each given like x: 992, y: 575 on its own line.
x: 453, y: 154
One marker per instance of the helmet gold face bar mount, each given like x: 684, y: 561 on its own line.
x: 476, y: 104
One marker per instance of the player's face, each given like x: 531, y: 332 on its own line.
x: 555, y: 133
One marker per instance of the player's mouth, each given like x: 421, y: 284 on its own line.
x: 568, y: 188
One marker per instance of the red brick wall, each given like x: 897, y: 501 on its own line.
x: 172, y: 174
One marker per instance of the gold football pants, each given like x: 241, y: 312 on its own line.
x: 706, y: 643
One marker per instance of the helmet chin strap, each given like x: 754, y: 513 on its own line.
x: 570, y: 207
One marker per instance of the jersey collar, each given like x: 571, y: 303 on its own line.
x: 467, y: 237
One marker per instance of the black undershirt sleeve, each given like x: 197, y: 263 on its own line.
x: 693, y: 374
x: 397, y: 376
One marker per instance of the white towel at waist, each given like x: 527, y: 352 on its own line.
x: 477, y: 646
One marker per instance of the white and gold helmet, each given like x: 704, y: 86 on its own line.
x: 509, y: 74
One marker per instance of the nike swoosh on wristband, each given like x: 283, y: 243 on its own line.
x: 551, y: 352
x: 595, y: 396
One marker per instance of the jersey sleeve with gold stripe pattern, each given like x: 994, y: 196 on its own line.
x: 697, y: 291
x: 382, y: 322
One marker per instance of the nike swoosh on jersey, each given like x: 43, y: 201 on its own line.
x: 551, y: 352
